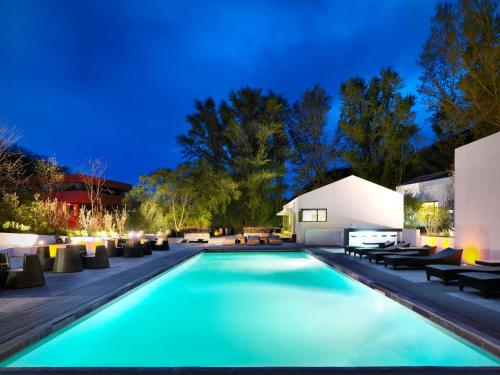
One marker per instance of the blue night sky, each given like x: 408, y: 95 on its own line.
x: 116, y: 79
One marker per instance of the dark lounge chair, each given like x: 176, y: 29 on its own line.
x: 31, y: 275
x: 46, y: 261
x: 113, y: 250
x: 274, y: 240
x: 4, y: 260
x: 160, y: 244
x: 448, y: 272
x: 378, y: 256
x: 4, y: 267
x: 99, y: 260
x: 447, y: 256
x: 253, y: 240
x: 133, y: 250
x: 487, y: 283
x: 68, y: 260
x: 365, y: 250
x: 146, y: 248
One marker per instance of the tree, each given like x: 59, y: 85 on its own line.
x: 227, y: 139
x: 48, y: 174
x: 11, y: 160
x: 93, y: 179
x: 190, y: 195
x: 205, y: 139
x: 312, y: 152
x: 461, y: 69
x: 376, y: 132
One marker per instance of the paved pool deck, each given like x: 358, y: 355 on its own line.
x: 468, y: 314
x: 30, y: 314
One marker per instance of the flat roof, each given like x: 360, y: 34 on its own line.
x: 427, y: 177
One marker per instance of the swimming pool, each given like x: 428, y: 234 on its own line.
x: 251, y: 309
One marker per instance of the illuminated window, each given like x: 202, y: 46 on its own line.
x: 430, y: 204
x: 313, y: 215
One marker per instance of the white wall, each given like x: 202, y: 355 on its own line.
x: 350, y: 202
x: 10, y: 240
x: 440, y: 190
x: 477, y: 198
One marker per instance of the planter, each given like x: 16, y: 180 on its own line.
x: 440, y: 242
x: 10, y: 240
x: 412, y: 236
x: 257, y: 231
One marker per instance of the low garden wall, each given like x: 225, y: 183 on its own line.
x: 440, y: 242
x: 412, y: 236
x: 10, y: 240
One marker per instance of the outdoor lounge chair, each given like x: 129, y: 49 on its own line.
x: 4, y: 267
x: 274, y: 240
x: 448, y: 272
x: 446, y: 256
x: 68, y: 260
x: 487, y: 283
x: 253, y: 240
x: 4, y: 260
x: 112, y: 250
x: 99, y: 260
x: 31, y: 275
x: 160, y: 244
x: 378, y: 255
x: 82, y: 249
x: 46, y: 261
x: 146, y: 248
x: 365, y: 250
x: 133, y: 251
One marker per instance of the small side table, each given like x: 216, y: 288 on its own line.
x: 492, y: 263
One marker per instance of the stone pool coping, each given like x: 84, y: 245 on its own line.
x: 33, y: 335
x: 459, y: 327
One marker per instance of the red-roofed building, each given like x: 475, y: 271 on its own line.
x: 73, y: 192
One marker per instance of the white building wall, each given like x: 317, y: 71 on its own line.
x: 440, y: 190
x: 350, y: 202
x: 477, y: 198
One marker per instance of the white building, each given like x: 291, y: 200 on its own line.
x: 477, y: 199
x: 436, y: 189
x: 321, y: 216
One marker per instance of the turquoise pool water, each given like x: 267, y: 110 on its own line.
x: 252, y: 309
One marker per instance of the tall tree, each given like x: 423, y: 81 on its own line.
x: 311, y: 147
x: 246, y: 138
x: 461, y: 68
x: 376, y: 131
x: 205, y: 139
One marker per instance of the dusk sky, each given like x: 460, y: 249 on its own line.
x: 116, y: 79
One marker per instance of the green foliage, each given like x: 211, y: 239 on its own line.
x: 377, y: 130
x: 412, y: 206
x: 186, y: 197
x: 243, y: 144
x: 312, y: 151
x: 434, y: 219
x: 461, y: 68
